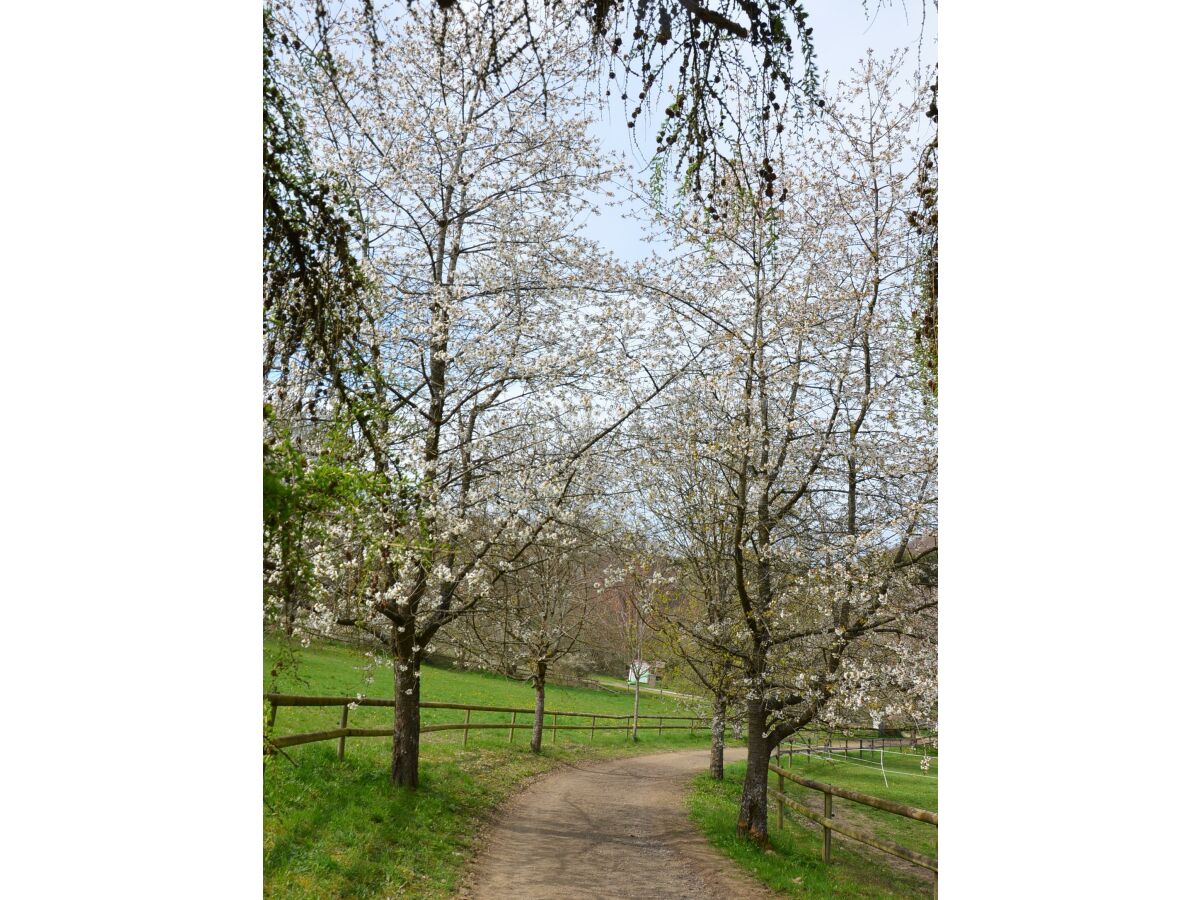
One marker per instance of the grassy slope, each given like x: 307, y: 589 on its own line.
x: 794, y: 865
x: 339, y: 829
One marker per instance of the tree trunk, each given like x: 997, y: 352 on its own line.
x: 406, y: 739
x: 716, y: 760
x: 752, y: 817
x: 289, y: 617
x: 539, y: 708
x: 637, y: 694
x: 289, y: 595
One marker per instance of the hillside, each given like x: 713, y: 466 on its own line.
x: 340, y: 829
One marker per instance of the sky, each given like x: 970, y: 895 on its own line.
x: 842, y: 33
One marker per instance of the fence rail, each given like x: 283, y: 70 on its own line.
x: 830, y: 825
x: 466, y: 726
x: 854, y: 745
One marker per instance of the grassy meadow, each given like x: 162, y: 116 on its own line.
x: 339, y: 829
x: 793, y: 864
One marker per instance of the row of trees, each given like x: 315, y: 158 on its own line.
x: 495, y: 437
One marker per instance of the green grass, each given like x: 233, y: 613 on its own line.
x: 793, y: 863
x: 339, y: 829
x: 331, y: 670
x: 906, y: 783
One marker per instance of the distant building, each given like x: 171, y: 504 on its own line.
x: 641, y: 672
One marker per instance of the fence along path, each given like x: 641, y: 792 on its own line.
x: 830, y: 791
x: 466, y: 726
x: 829, y: 824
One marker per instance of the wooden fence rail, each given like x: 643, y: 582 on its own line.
x: 466, y: 726
x: 861, y: 746
x: 295, y: 700
x: 829, y: 824
x: 298, y: 700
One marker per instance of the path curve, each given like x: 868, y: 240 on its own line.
x: 612, y: 829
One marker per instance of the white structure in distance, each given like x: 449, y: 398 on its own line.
x: 640, y: 671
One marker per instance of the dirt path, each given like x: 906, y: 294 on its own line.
x: 611, y: 829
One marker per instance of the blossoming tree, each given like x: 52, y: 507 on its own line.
x: 814, y: 451
x: 502, y: 343
x: 537, y: 613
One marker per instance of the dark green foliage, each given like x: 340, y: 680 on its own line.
x: 925, y: 221
x: 311, y: 279
x: 313, y: 309
x: 295, y: 485
x: 304, y: 493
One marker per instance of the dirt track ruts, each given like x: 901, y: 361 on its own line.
x: 612, y: 829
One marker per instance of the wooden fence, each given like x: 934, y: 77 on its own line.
x: 830, y: 825
x: 860, y: 745
x: 645, y: 722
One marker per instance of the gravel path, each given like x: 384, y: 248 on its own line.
x: 611, y: 829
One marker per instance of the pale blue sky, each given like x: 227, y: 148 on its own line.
x: 842, y: 33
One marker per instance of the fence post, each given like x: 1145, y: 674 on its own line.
x: 342, y: 739
x: 627, y: 718
x: 554, y: 739
x: 510, y: 727
x: 660, y: 721
x: 827, y: 849
x: 782, y: 791
x: 592, y: 739
x: 271, y: 717
x: 860, y: 756
x: 466, y: 731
